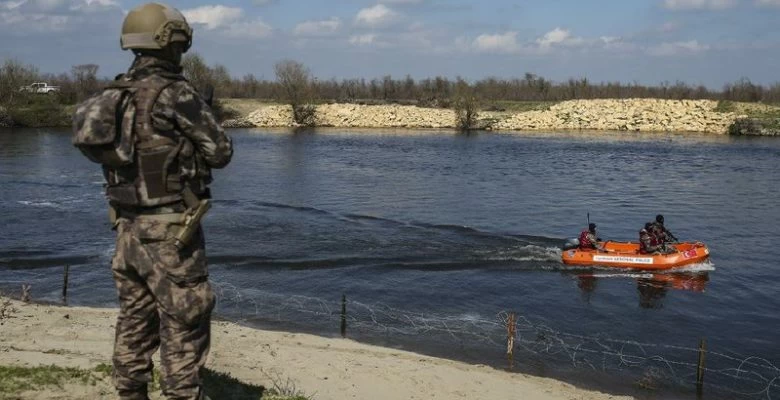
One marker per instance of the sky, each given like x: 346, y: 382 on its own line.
x: 708, y: 42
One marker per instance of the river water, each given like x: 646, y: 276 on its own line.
x: 434, y: 237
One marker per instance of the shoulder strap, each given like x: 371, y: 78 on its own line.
x: 148, y: 92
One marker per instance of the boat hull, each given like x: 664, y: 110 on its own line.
x: 627, y: 255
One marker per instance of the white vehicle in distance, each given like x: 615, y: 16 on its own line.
x: 40, y: 88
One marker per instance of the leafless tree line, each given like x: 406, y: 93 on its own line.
x: 442, y: 91
x: 294, y: 84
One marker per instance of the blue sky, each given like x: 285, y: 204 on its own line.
x: 708, y: 42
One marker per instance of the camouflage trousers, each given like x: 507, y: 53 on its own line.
x: 165, y: 302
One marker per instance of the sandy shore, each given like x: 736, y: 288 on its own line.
x: 322, y: 368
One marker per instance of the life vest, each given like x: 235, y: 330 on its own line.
x: 585, y: 242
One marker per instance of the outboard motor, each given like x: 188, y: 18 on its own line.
x: 571, y: 244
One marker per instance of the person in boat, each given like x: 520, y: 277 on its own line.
x: 589, y: 240
x: 660, y: 231
x: 650, y: 243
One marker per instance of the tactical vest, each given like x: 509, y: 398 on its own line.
x: 153, y: 178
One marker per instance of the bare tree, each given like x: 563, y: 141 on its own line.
x: 295, y: 83
x: 13, y: 75
x: 85, y: 78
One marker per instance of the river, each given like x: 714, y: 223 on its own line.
x: 434, y: 237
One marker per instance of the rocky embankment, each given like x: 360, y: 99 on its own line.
x: 359, y: 116
x: 645, y: 115
x: 641, y: 115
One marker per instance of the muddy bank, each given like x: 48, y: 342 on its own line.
x: 640, y: 115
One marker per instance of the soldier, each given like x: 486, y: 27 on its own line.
x: 661, y: 232
x: 651, y: 243
x: 648, y: 242
x: 161, y: 276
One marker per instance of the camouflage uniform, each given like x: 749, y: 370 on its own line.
x: 663, y: 234
x: 164, y: 295
x: 648, y: 242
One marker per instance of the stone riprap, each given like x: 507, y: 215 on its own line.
x: 646, y: 115
x: 360, y: 116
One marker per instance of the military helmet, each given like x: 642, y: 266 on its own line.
x: 659, y: 218
x: 154, y: 26
x: 592, y: 227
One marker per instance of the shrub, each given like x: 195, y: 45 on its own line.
x: 465, y: 105
x: 297, y: 90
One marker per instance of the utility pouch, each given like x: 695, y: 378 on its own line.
x: 123, y: 194
x: 102, y: 127
x: 153, y: 166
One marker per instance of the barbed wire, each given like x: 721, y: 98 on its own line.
x: 650, y: 364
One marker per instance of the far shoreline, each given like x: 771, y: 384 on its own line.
x: 596, y: 115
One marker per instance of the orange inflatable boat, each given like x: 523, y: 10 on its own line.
x: 627, y: 255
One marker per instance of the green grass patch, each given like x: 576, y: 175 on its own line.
x: 39, y: 112
x: 15, y: 380
x: 751, y: 110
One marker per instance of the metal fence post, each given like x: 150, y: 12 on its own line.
x: 65, y: 285
x: 510, y: 339
x: 343, y: 315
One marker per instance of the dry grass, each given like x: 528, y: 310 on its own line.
x: 23, y: 382
x: 751, y: 110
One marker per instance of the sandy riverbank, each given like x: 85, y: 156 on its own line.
x: 322, y: 368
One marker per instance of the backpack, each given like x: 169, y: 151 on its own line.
x: 103, y: 127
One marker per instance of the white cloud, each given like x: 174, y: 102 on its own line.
x: 48, y: 16
x: 362, y: 40
x: 228, y: 21
x: 769, y: 3
x: 499, y: 43
x: 9, y: 5
x: 556, y: 39
x: 318, y: 28
x: 699, y: 4
x: 375, y: 16
x: 213, y: 16
x: 558, y: 36
x: 59, y: 6
x: 669, y: 27
x: 256, y: 29
x: 677, y: 48
x: 40, y: 23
